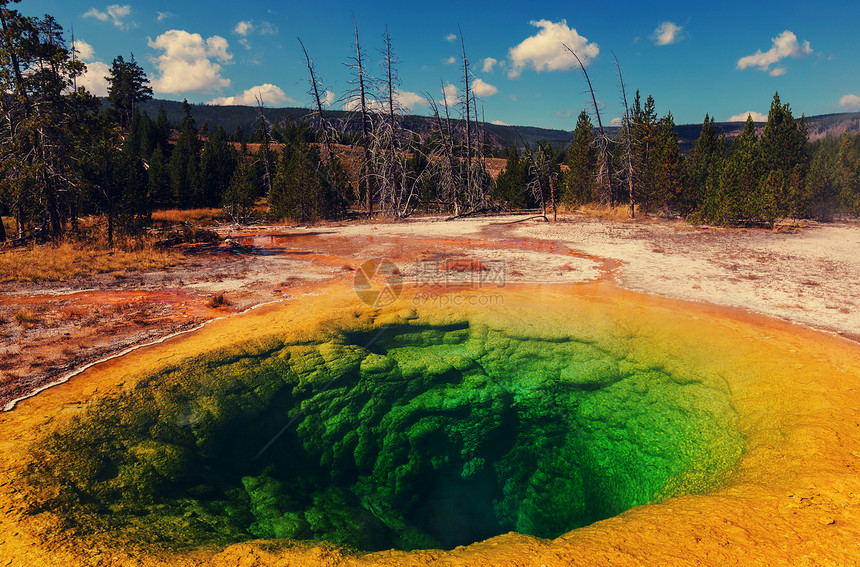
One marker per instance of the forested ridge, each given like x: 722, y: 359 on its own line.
x: 67, y: 155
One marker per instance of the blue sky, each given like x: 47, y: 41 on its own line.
x: 723, y: 58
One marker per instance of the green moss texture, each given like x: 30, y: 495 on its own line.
x: 395, y: 436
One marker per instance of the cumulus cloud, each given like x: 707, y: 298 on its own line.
x: 499, y: 123
x: 409, y: 100
x: 450, y: 61
x: 114, y: 13
x: 742, y: 117
x: 616, y: 121
x: 270, y: 94
x: 850, y: 102
x: 784, y: 45
x: 667, y: 33
x: 161, y: 16
x: 243, y: 28
x: 488, y: 65
x: 483, y: 89
x: 404, y: 99
x: 84, y: 49
x: 187, y: 63
x: 451, y: 37
x: 328, y: 98
x: 94, y: 78
x: 544, y: 51
x: 450, y: 95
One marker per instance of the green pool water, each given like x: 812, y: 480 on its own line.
x: 402, y: 436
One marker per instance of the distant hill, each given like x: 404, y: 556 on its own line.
x: 231, y: 117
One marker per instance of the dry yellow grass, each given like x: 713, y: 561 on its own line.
x: 187, y: 215
x: 619, y: 213
x: 69, y: 259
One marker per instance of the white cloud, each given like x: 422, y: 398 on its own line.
x: 270, y: 94
x: 544, y: 51
x: 450, y: 61
x: 450, y: 95
x: 161, y: 16
x: 483, y: 89
x: 84, y: 49
x: 451, y: 37
x: 245, y: 43
x: 409, y: 100
x: 187, y: 62
x: 784, y: 45
x: 115, y: 13
x: 488, y: 65
x: 850, y: 102
x: 742, y: 117
x: 266, y: 28
x: 667, y: 33
x: 328, y: 98
x: 243, y: 28
x: 95, y: 78
x: 404, y: 99
x: 499, y: 123
x: 616, y: 121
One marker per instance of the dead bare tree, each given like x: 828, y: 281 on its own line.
x: 391, y: 167
x: 361, y: 96
x: 546, y: 161
x: 315, y: 86
x: 264, y: 126
x: 467, y: 105
x: 628, y: 139
x: 604, y: 159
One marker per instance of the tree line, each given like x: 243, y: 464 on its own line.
x: 67, y: 155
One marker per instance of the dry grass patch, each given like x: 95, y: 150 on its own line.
x: 173, y: 216
x: 60, y: 262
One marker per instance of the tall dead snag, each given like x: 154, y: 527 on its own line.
x: 604, y: 159
x: 546, y: 160
x: 628, y: 138
x: 390, y: 180
x: 315, y: 92
x: 467, y: 104
x: 360, y: 95
x: 264, y: 126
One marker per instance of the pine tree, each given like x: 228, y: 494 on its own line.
x: 848, y: 174
x: 667, y: 174
x: 217, y: 163
x: 127, y: 86
x: 703, y: 168
x: 645, y: 130
x: 738, y: 196
x: 239, y: 197
x: 184, y: 165
x: 158, y: 182
x: 580, y: 185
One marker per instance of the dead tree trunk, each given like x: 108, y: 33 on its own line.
x: 604, y: 171
x: 365, y: 121
x: 468, y: 118
x: 628, y: 150
x: 316, y: 93
x: 264, y: 124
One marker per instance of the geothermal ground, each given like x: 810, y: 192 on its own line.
x: 767, y: 330
x: 808, y: 276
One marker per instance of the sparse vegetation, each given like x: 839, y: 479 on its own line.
x: 25, y: 318
x: 71, y: 259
